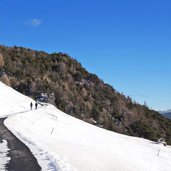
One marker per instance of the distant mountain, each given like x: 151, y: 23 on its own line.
x: 62, y: 81
x: 166, y: 113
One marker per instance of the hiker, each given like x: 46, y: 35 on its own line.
x: 31, y: 105
x: 36, y: 105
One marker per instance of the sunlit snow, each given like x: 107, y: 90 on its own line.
x: 62, y: 142
x: 4, y: 159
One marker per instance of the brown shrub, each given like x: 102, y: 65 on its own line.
x: 1, y: 61
x: 5, y: 80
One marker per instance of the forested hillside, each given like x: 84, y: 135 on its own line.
x: 61, y: 80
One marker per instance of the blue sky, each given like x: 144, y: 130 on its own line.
x: 127, y: 43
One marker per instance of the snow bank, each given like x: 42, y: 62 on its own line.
x: 4, y: 159
x: 81, y: 146
x: 12, y: 102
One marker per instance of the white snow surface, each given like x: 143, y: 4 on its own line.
x: 4, y: 159
x: 61, y: 142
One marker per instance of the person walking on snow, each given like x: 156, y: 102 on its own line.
x: 36, y: 105
x: 31, y: 105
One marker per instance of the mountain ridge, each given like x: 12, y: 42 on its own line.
x: 77, y: 92
x: 166, y: 113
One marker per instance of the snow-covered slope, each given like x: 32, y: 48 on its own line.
x: 11, y: 101
x: 71, y: 144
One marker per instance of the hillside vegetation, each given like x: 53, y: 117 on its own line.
x: 77, y: 92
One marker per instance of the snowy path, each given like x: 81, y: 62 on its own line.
x: 21, y: 157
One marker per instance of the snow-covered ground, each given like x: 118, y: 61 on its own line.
x: 61, y: 142
x: 4, y: 159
